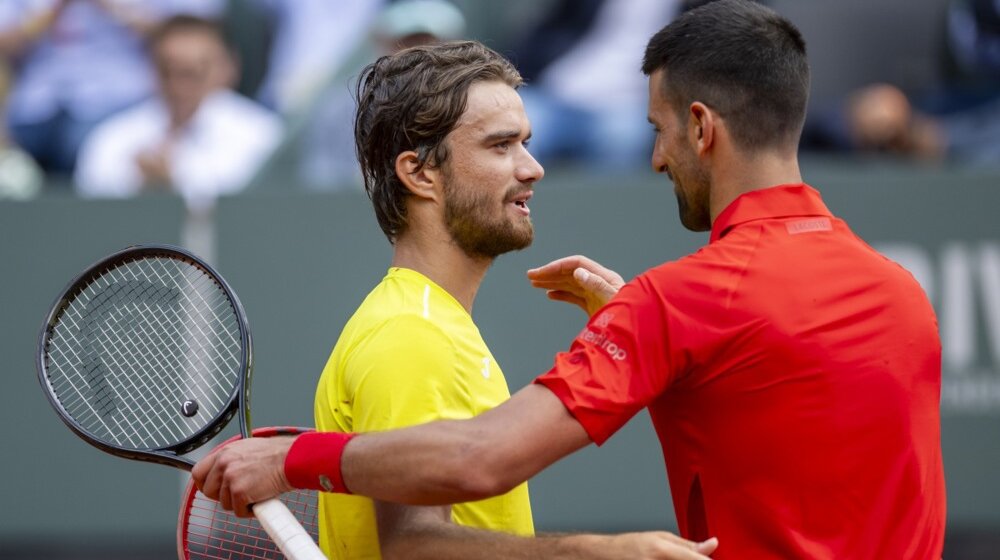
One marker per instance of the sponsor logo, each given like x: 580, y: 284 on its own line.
x: 601, y: 341
x: 808, y: 226
x: 604, y: 319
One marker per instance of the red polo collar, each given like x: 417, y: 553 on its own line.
x: 783, y: 201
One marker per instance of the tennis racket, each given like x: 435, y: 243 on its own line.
x: 205, y: 531
x: 147, y: 356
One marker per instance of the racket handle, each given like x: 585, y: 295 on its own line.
x: 293, y: 541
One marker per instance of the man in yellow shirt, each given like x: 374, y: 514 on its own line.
x: 442, y: 140
x: 410, y: 354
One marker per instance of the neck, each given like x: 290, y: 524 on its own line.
x: 437, y: 257
x: 751, y: 172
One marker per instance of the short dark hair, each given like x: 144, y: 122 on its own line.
x: 411, y: 100
x: 184, y: 23
x: 742, y: 60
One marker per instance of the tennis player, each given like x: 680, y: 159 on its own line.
x: 441, y: 137
x: 792, y: 373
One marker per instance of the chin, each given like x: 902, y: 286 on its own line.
x: 695, y: 221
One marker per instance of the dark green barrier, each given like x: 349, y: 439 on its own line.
x: 301, y: 263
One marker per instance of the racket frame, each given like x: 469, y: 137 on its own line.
x: 238, y: 400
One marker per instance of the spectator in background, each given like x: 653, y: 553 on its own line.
x: 328, y: 160
x: 584, y: 92
x: 959, y: 121
x: 319, y: 145
x: 75, y: 62
x: 312, y: 38
x: 197, y: 138
x: 20, y: 176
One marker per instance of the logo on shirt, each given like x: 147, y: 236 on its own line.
x: 486, y: 367
x: 808, y: 226
x: 601, y: 341
x: 604, y: 319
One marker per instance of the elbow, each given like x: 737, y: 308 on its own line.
x: 479, y: 471
x: 482, y: 485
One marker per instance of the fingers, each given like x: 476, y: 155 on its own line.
x: 206, y: 478
x: 213, y: 476
x: 560, y: 267
x: 566, y: 273
x: 707, y: 547
x: 681, y: 548
x: 225, y: 499
x: 233, y: 500
x: 594, y: 284
x: 559, y: 295
x: 564, y: 267
x: 661, y: 545
x: 244, y: 472
x: 242, y: 507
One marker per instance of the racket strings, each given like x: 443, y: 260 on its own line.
x: 138, y: 342
x: 214, y: 533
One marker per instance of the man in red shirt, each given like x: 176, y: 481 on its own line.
x: 792, y: 373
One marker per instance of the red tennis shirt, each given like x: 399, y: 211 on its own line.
x: 793, y: 376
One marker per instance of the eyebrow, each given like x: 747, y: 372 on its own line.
x: 504, y: 135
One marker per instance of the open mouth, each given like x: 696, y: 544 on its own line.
x: 521, y: 201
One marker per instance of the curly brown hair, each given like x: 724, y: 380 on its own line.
x: 411, y: 100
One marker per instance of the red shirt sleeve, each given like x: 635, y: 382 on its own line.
x: 616, y: 366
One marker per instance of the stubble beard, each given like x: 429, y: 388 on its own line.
x: 692, y: 196
x: 480, y: 232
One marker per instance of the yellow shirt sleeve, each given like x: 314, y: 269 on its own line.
x: 404, y: 374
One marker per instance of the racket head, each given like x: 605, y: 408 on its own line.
x: 147, y: 354
x: 206, y: 531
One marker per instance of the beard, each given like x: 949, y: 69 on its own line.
x: 691, y: 186
x: 481, y: 229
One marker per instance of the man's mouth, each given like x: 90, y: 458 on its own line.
x: 520, y: 200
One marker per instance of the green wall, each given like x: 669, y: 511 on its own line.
x: 302, y: 262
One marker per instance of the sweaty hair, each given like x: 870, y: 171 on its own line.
x: 411, y: 100
x: 742, y: 60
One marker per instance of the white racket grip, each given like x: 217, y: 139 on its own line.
x: 293, y: 541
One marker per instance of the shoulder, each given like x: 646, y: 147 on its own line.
x: 677, y: 273
x: 707, y: 277
x: 406, y: 340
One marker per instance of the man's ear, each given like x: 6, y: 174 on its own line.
x: 423, y: 181
x: 703, y: 123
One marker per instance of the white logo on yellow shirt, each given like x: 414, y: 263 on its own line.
x: 486, y: 368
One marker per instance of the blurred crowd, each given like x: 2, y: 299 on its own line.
x: 956, y: 119
x: 111, y: 98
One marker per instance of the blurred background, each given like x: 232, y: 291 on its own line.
x: 225, y: 126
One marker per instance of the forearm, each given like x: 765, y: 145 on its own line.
x: 460, y: 461
x: 416, y: 532
x: 431, y: 464
x: 443, y: 541
x: 423, y: 465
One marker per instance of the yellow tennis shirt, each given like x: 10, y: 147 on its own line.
x: 410, y: 354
